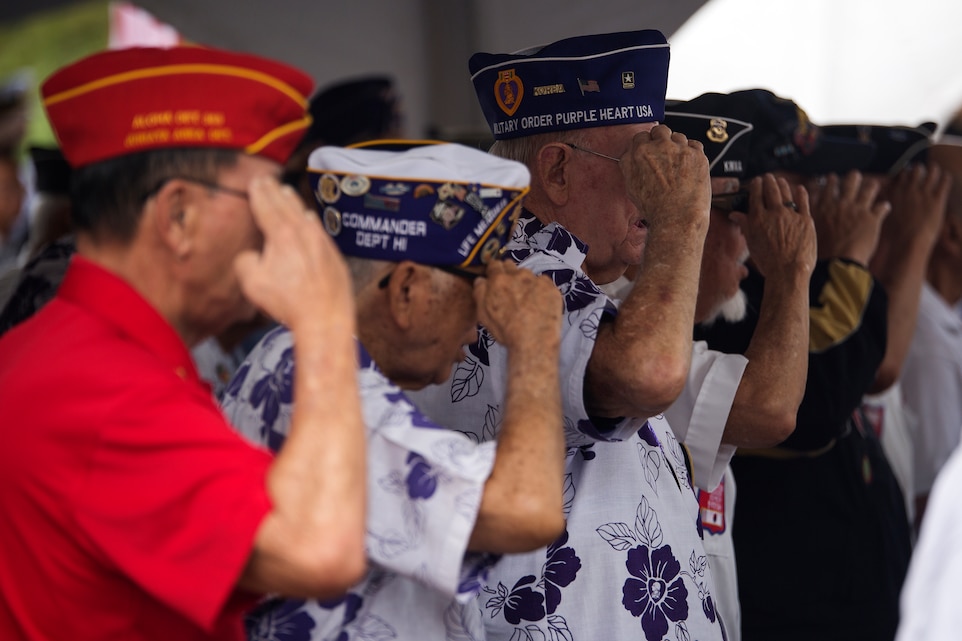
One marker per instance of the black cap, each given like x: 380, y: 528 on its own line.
x: 53, y: 172
x: 353, y: 111
x: 895, y: 146
x: 750, y: 132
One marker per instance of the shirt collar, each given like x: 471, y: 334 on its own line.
x: 113, y: 300
x: 530, y: 234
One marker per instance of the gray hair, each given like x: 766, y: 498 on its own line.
x: 525, y: 149
x: 363, y: 270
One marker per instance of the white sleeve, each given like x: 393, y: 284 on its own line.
x: 698, y: 416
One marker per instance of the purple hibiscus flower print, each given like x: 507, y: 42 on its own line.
x: 527, y: 227
x: 647, y: 434
x: 421, y: 480
x: 657, y: 594
x: 352, y: 603
x: 708, y: 607
x: 559, y: 572
x: 234, y: 386
x: 481, y: 346
x: 578, y: 291
x: 279, y: 620
x: 275, y: 388
x: 523, y: 602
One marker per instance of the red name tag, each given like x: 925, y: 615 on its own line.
x: 712, y: 506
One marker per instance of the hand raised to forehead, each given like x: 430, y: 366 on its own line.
x: 514, y: 304
x: 778, y: 229
x: 848, y: 215
x: 667, y: 177
x: 299, y: 278
x: 918, y: 195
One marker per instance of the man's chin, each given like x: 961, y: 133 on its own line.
x: 732, y: 310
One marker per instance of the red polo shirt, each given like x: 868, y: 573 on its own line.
x: 129, y: 506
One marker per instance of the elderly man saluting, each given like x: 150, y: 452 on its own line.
x: 610, y: 188
x: 132, y: 510
x: 440, y: 502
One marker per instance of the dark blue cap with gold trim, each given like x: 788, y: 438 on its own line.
x: 435, y: 204
x: 576, y: 83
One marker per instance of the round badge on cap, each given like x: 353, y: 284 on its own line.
x: 332, y: 221
x: 355, y: 185
x: 328, y: 189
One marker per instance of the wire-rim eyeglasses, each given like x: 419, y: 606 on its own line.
x: 594, y: 153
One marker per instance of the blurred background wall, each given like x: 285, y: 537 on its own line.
x: 789, y: 46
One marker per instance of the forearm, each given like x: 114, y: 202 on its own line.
x: 771, y: 389
x: 847, y: 333
x: 641, y: 358
x: 902, y: 279
x: 521, y: 508
x: 312, y: 543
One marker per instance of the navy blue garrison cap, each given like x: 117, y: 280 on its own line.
x: 435, y: 204
x: 576, y: 83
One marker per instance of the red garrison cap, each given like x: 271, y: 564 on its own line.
x: 119, y: 102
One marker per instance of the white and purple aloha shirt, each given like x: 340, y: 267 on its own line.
x: 424, y: 491
x: 698, y: 418
x: 631, y: 564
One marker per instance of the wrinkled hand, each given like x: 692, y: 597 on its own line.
x: 516, y: 305
x: 300, y: 276
x: 667, y: 177
x: 918, y: 196
x: 848, y: 216
x: 781, y: 239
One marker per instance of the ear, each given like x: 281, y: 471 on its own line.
x: 169, y: 209
x: 552, y: 171
x: 405, y: 293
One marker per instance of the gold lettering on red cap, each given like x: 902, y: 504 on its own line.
x: 152, y: 119
x: 143, y: 138
x: 187, y: 117
x: 214, y: 118
x: 189, y: 134
x: 221, y: 134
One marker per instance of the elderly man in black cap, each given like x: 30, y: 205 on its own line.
x: 343, y: 113
x: 439, y: 503
x: 830, y: 479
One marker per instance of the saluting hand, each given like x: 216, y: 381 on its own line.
x: 848, y: 216
x: 667, y: 178
x: 300, y: 277
x: 515, y: 305
x: 778, y: 229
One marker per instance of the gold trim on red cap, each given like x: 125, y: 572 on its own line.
x: 168, y: 70
x: 281, y: 131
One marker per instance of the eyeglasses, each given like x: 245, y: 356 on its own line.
x: 205, y: 183
x: 735, y: 201
x: 593, y: 153
x: 218, y: 187
x: 457, y: 271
